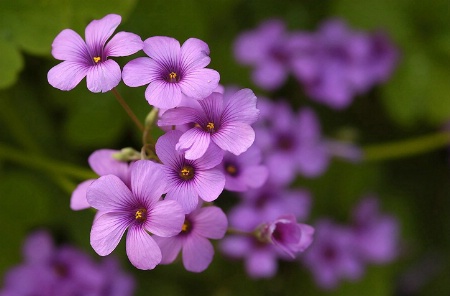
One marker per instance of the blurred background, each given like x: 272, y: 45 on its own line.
x: 46, y: 135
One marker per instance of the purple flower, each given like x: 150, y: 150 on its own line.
x: 190, y: 179
x: 90, y: 59
x: 291, y: 143
x: 335, y: 63
x: 199, y: 226
x: 332, y: 256
x: 171, y: 70
x: 376, y: 235
x: 138, y: 209
x: 261, y: 260
x: 267, y: 49
x: 223, y: 120
x: 50, y: 270
x: 267, y: 203
x: 102, y: 163
x: 288, y: 235
x: 244, y: 171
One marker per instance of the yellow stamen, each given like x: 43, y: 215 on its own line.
x: 231, y: 169
x: 187, y: 172
x: 210, y: 127
x: 172, y: 75
x: 186, y: 226
x: 96, y: 59
x: 141, y: 214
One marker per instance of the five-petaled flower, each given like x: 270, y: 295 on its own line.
x: 90, y: 59
x: 171, y: 71
x: 222, y: 119
x: 138, y: 209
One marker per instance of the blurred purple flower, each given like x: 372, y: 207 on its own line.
x: 332, y: 256
x: 138, y: 209
x: 260, y: 259
x: 244, y: 171
x: 266, y: 48
x: 200, y: 225
x: 171, y: 70
x: 287, y: 235
x: 102, y: 163
x: 291, y: 143
x: 90, y: 59
x: 376, y: 235
x: 335, y: 63
x: 49, y: 270
x: 267, y: 203
x: 190, y: 179
x: 223, y: 120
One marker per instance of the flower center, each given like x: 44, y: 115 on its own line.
x: 97, y: 59
x: 231, y: 169
x: 187, y: 172
x: 173, y: 77
x: 186, y: 226
x: 210, y: 127
x: 141, y: 215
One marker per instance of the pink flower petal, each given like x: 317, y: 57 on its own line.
x: 103, y: 163
x: 261, y: 264
x: 148, y: 181
x: 211, y: 222
x: 104, y: 76
x: 270, y: 75
x: 241, y: 107
x: 170, y: 247
x: 69, y: 46
x: 177, y: 116
x: 212, y: 157
x: 235, y: 137
x: 165, y: 218
x: 106, y: 232
x: 142, y: 250
x: 164, y: 50
x: 255, y: 176
x: 109, y: 193
x: 194, y: 54
x: 67, y: 75
x: 123, y: 44
x: 78, y: 199
x: 197, y: 253
x: 199, y: 83
x: 185, y: 195
x: 165, y: 149
x: 98, y: 31
x: 162, y: 94
x: 194, y: 143
x: 140, y: 71
x: 209, y: 184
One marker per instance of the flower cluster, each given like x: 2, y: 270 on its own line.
x: 161, y: 198
x: 63, y: 270
x: 340, y: 252
x: 216, y: 139
x: 333, y: 64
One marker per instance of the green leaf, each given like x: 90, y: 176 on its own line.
x: 95, y: 121
x: 419, y: 91
x: 26, y: 203
x: 11, y: 63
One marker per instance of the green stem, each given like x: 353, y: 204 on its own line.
x: 406, y: 148
x: 46, y: 164
x: 128, y: 109
x: 239, y: 232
